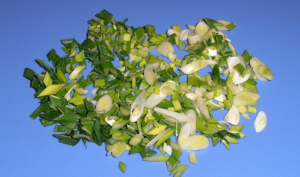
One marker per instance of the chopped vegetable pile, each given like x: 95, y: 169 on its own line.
x: 141, y: 106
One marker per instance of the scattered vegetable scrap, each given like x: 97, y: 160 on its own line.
x: 142, y: 103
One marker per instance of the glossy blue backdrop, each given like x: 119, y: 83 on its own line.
x: 267, y: 29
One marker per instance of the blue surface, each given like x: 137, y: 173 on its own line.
x: 267, y: 29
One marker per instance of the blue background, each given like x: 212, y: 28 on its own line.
x: 267, y: 29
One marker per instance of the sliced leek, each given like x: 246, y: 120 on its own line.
x: 260, y: 122
x: 131, y: 109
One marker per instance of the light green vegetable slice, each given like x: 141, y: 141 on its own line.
x: 122, y: 167
x: 51, y: 89
x: 159, y: 158
x: 193, y: 158
x: 245, y: 98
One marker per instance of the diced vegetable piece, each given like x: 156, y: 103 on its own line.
x: 122, y: 167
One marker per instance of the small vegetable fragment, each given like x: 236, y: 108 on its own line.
x: 116, y: 149
x: 159, y: 158
x: 262, y: 71
x: 193, y: 66
x: 193, y: 158
x: 245, y: 98
x: 75, y: 73
x: 139, y: 101
x: 122, y: 167
x: 136, y: 139
x: 104, y: 104
x: 260, y: 122
x: 233, y: 116
x: 164, y: 48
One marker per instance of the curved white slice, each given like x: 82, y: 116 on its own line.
x: 260, y: 122
x: 184, y: 34
x: 154, y: 99
x: 242, y: 60
x: 94, y: 91
x: 211, y: 62
x: 76, y: 72
x: 196, y: 142
x: 263, y: 73
x: 232, y: 61
x: 184, y: 134
x: 211, y: 52
x: 139, y: 101
x: 157, y: 137
x: 193, y: 158
x: 68, y: 94
x: 193, y: 66
x: 254, y: 62
x: 202, y: 107
x: 104, y: 103
x: 199, y: 91
x: 223, y: 28
x: 109, y: 121
x: 245, y: 98
x: 136, y: 139
x: 172, y: 31
x: 201, y: 28
x: 180, y: 117
x: 194, y: 38
x: 164, y: 48
x: 233, y: 116
x: 220, y: 98
x: 237, y: 79
x: 191, y: 96
x: 150, y: 73
x: 192, y: 115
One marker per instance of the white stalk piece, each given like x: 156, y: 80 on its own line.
x: 190, y: 143
x: 192, y: 115
x: 210, y: 52
x: 192, y: 96
x: 157, y: 137
x: 164, y: 48
x: 199, y: 91
x: 68, y: 94
x: 184, y: 134
x: 110, y: 121
x: 94, y: 91
x: 194, y: 38
x: 201, y: 28
x: 233, y: 61
x: 76, y: 71
x: 167, y: 149
x: 81, y: 91
x: 193, y: 66
x: 225, y: 23
x: 180, y: 117
x: 104, y: 104
x: 182, y: 35
x: 136, y: 139
x: 260, y: 122
x: 202, y: 107
x: 211, y: 62
x: 150, y: 73
x: 262, y: 71
x: 233, y: 116
x: 139, y: 101
x: 154, y: 99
